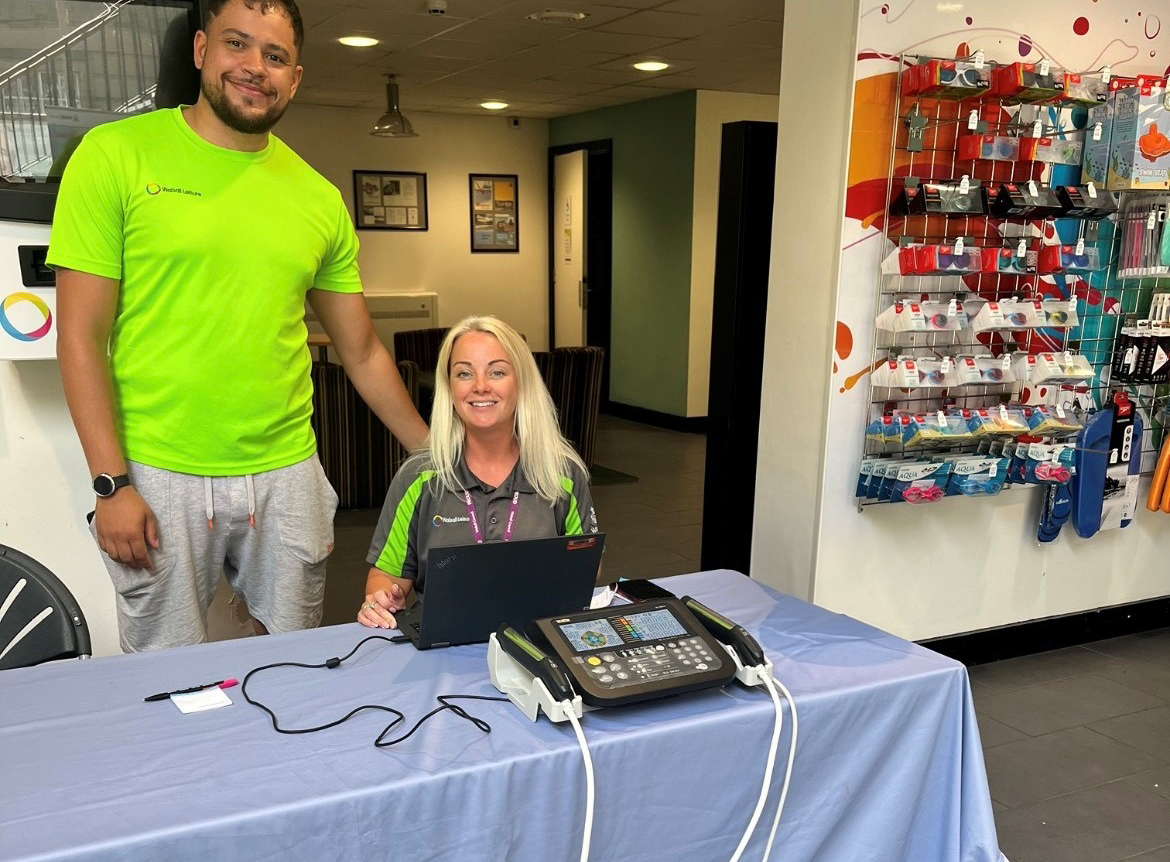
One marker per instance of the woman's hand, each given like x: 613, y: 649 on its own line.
x: 378, y: 610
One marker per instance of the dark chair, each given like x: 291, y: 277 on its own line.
x: 358, y: 454
x: 573, y: 377
x: 39, y: 618
x: 420, y: 346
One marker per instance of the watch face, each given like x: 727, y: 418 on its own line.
x: 103, y: 485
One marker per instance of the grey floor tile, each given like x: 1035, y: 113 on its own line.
x: 1045, y: 667
x: 1162, y: 854
x: 1034, y: 769
x: 1155, y: 781
x: 1151, y: 646
x: 1053, y: 706
x: 1106, y: 823
x: 1148, y: 730
x: 993, y: 733
x: 1144, y: 676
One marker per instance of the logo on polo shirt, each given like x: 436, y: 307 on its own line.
x: 154, y: 189
x: 439, y: 519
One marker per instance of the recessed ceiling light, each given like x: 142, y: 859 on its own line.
x: 651, y: 66
x: 493, y: 105
x: 358, y: 41
x: 554, y: 16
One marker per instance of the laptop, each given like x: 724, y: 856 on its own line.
x: 471, y: 590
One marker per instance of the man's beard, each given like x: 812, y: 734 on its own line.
x: 233, y: 119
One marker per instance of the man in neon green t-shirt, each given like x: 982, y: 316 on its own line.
x: 187, y: 240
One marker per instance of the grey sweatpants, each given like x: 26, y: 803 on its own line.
x: 269, y: 534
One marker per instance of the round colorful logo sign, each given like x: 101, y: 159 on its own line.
x: 24, y: 334
x: 153, y: 188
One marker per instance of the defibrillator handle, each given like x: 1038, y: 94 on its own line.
x: 533, y: 659
x: 725, y: 631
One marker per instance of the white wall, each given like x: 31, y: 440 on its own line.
x: 45, y: 493
x: 817, y: 68
x: 712, y: 110
x: 336, y: 141
x: 919, y: 572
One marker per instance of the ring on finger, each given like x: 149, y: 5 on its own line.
x: 371, y: 606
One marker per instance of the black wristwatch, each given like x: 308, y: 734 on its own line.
x: 105, y: 485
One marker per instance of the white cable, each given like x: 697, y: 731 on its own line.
x: 588, y: 779
x: 772, y: 685
x: 767, y: 776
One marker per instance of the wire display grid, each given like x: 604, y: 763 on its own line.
x: 941, y: 122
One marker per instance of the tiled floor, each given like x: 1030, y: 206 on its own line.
x: 652, y: 526
x: 1077, y: 746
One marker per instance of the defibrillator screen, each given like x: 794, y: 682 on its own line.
x: 590, y: 634
x: 652, y: 625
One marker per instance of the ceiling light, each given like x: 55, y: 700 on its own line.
x: 651, y: 66
x: 358, y: 41
x: 553, y: 16
x: 493, y: 105
x: 392, y: 124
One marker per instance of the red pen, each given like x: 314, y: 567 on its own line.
x: 163, y: 695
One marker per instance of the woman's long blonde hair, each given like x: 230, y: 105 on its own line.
x: 545, y: 455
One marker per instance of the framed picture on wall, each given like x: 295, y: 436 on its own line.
x: 389, y: 200
x: 495, y: 216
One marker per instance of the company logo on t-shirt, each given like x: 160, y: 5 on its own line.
x: 154, y: 189
x: 439, y: 519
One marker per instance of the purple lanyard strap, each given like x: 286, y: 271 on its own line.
x: 476, y: 532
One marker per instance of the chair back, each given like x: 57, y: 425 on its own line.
x: 420, y: 346
x: 573, y: 377
x: 39, y: 618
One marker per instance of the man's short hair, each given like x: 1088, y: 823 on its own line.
x: 288, y: 7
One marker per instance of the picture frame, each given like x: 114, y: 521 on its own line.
x: 390, y: 200
x: 494, y: 212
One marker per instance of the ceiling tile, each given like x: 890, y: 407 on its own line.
x: 664, y: 24
x: 749, y: 9
x: 595, y: 14
x: 516, y: 34
x: 616, y: 43
x: 752, y: 33
x: 709, y: 50
x: 442, y: 47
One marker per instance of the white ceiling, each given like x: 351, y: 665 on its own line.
x: 487, y: 49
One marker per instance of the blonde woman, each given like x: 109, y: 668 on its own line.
x: 495, y: 468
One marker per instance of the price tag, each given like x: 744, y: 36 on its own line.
x: 1022, y: 248
x: 964, y: 184
x: 1003, y: 414
x: 1056, y: 450
x: 1036, y: 129
x: 979, y: 59
x: 1060, y: 411
x: 1042, y: 67
x: 959, y: 244
x: 1006, y: 365
x: 1067, y: 358
x: 1096, y: 131
x: 946, y: 365
x: 1033, y: 190
x: 952, y: 307
x: 1081, y: 246
x: 1072, y: 304
x: 1090, y: 188
x: 909, y: 373
x: 1106, y: 74
x: 991, y: 470
x: 942, y: 419
x: 1150, y: 222
x: 973, y: 120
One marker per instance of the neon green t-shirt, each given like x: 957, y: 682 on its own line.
x: 215, y: 250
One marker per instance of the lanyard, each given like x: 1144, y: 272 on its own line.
x: 476, y: 532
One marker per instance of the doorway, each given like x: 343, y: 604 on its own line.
x: 580, y: 259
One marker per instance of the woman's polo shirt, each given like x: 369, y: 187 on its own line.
x: 418, y: 515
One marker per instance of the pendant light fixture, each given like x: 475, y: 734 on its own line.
x: 392, y: 124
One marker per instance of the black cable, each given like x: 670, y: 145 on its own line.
x: 399, y: 716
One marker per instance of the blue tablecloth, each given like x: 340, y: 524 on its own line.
x: 888, y: 764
